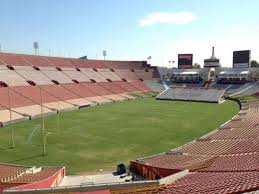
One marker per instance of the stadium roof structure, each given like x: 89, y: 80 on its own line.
x: 186, y: 73
x: 234, y: 72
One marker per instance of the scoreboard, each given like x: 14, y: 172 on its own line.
x: 241, y: 59
x: 185, y: 61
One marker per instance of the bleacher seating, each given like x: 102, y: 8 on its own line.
x: 38, y: 61
x: 140, y: 86
x: 48, y: 100
x: 43, y: 174
x: 236, y: 88
x: 54, y: 74
x: 15, y: 176
x: 126, y: 86
x: 125, y: 64
x: 5, y: 116
x: 80, y: 91
x: 108, y: 74
x: 192, y: 94
x: 147, y: 75
x: 59, y: 62
x: 102, y: 94
x: 75, y: 74
x: 252, y: 90
x: 155, y: 85
x: 126, y: 74
x: 13, y: 60
x: 96, y: 88
x: 65, y: 83
x: 114, y: 88
x: 29, y: 73
x: 16, y: 100
x: 11, y: 78
x: 226, y: 161
x: 60, y: 92
x: 93, y: 75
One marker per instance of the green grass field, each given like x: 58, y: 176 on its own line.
x: 98, y: 138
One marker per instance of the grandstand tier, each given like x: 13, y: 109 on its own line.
x: 140, y: 86
x: 64, y: 83
x: 54, y: 74
x: 192, y: 94
x: 24, y: 177
x: 226, y: 161
x: 75, y: 74
x: 126, y: 74
x: 108, y: 74
x: 11, y: 78
x: 93, y: 75
x: 30, y: 74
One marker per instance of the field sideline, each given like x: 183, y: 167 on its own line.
x: 100, y: 137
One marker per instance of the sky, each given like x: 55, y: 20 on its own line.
x: 131, y: 29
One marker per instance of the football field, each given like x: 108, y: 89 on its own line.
x: 100, y: 137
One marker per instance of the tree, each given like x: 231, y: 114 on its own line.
x: 254, y: 63
x: 196, y: 66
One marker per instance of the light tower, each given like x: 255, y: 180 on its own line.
x: 36, y: 48
x: 104, y: 54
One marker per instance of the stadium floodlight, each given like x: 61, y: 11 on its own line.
x: 36, y: 47
x: 104, y: 54
x: 43, y: 125
x: 10, y: 115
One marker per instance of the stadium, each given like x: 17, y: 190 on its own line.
x: 127, y: 121
x: 47, y: 103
